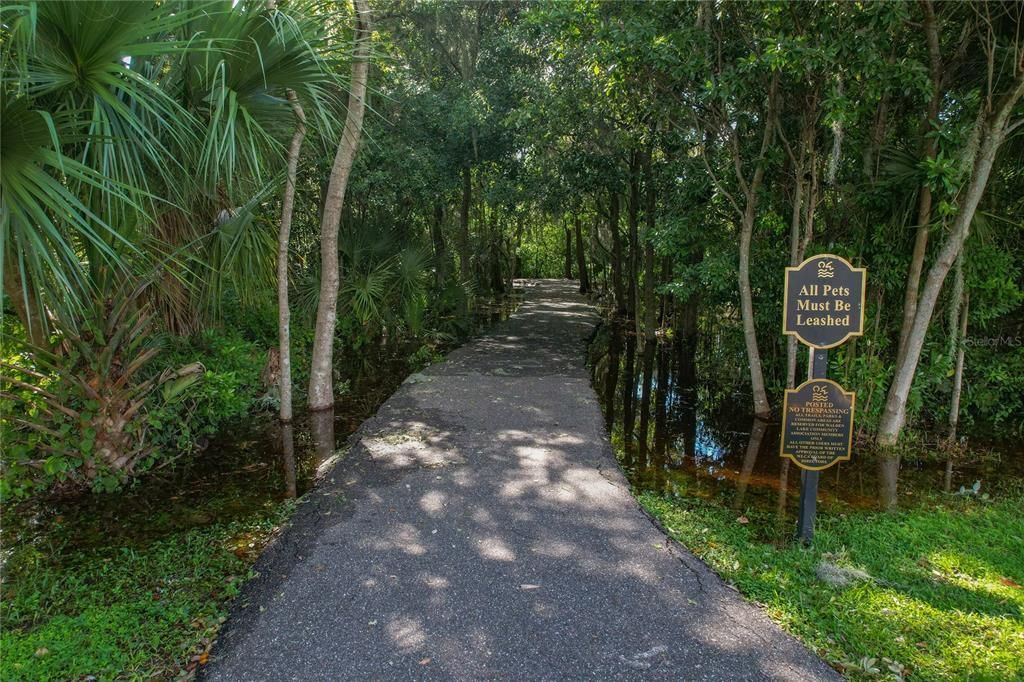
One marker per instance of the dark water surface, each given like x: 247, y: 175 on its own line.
x: 675, y: 434
x: 252, y: 465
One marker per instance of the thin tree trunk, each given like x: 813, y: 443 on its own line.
x: 283, y: 311
x: 288, y: 461
x: 633, y: 221
x: 875, y: 140
x: 581, y: 257
x: 568, y: 253
x: 686, y: 316
x: 321, y: 380
x: 650, y: 308
x: 780, y: 505
x: 663, y: 361
x: 494, y: 255
x: 613, y: 225
x: 629, y: 389
x: 611, y: 379
x: 467, y: 198
x: 762, y: 408
x: 924, y: 197
x: 645, y: 397
x: 665, y: 302
x: 959, y: 335
x: 757, y: 432
x: 598, y: 252
x: 992, y: 134
x: 440, y: 251
x: 794, y: 247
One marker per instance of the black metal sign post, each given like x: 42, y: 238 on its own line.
x: 824, y: 306
x: 817, y: 369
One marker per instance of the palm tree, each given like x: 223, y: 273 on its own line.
x: 139, y: 142
x: 129, y: 128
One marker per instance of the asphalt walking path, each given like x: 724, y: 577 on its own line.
x: 480, y: 529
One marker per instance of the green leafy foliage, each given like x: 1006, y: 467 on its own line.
x: 228, y: 388
x: 125, y: 611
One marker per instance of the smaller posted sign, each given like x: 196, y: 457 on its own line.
x: 824, y: 301
x: 817, y: 424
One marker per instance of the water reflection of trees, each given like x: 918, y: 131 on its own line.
x: 754, y: 444
x: 679, y: 431
x: 288, y: 460
x: 668, y: 420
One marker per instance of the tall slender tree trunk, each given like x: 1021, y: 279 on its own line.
x: 794, y: 260
x: 645, y: 398
x: 629, y: 389
x: 514, y: 253
x: 959, y: 338
x: 762, y: 408
x: 283, y: 236
x: 568, y: 253
x: 611, y: 378
x: 291, y: 488
x: 465, y: 272
x: 801, y: 226
x: 992, y: 133
x: 440, y: 251
x: 321, y: 379
x: 633, y: 221
x: 665, y: 300
x: 958, y: 373
x: 875, y: 140
x: 494, y: 258
x: 757, y: 432
x: 685, y: 316
x: 924, y: 198
x: 597, y: 252
x: 650, y: 307
x: 958, y: 334
x: 581, y: 257
x: 617, y: 284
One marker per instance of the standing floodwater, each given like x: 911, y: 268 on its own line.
x: 246, y: 469
x: 677, y: 432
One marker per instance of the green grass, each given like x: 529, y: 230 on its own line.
x: 125, y: 612
x: 946, y: 603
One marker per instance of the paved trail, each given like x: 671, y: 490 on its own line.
x: 481, y: 529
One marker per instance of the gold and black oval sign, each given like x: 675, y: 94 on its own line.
x: 824, y: 301
x: 817, y: 424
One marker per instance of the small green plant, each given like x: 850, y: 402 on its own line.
x: 424, y: 356
x: 974, y: 491
x: 125, y: 611
x: 80, y: 407
x: 230, y: 387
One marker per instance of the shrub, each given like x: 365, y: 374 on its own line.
x: 230, y: 385
x: 92, y: 416
x: 80, y: 408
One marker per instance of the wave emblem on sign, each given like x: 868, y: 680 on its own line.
x: 825, y: 269
x: 819, y: 394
